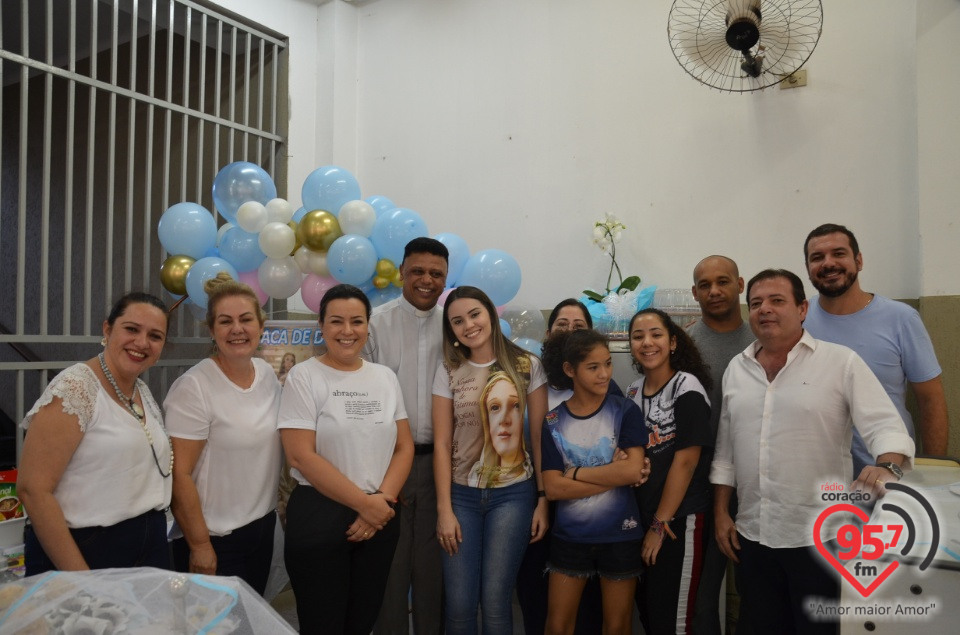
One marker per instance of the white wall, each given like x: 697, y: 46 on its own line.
x: 516, y: 124
x: 938, y: 79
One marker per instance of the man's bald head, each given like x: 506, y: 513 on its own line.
x: 717, y: 286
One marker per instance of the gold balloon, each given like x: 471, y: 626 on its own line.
x: 380, y: 282
x: 318, y: 229
x: 173, y: 274
x: 397, y: 279
x: 385, y: 268
x: 293, y: 225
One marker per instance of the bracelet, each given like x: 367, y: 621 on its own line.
x: 541, y: 493
x: 659, y: 526
x: 575, y: 472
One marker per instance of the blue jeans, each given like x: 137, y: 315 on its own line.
x: 495, y: 525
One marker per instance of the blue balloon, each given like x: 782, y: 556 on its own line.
x: 187, y: 229
x: 494, y: 272
x: 238, y: 183
x: 382, y: 296
x: 380, y: 204
x: 241, y: 249
x: 394, y: 230
x: 299, y: 214
x: 459, y: 254
x: 530, y: 345
x: 201, y: 271
x: 352, y: 259
x: 213, y: 252
x: 328, y: 188
x: 645, y: 299
x: 505, y: 327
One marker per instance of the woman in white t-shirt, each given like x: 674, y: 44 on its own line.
x: 488, y: 499
x: 222, y: 417
x: 96, y: 462
x: 345, y: 433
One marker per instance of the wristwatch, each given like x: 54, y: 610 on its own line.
x: 893, y: 467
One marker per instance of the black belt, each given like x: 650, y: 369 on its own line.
x: 420, y: 449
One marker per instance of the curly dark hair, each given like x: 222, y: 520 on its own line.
x: 568, y: 346
x: 687, y: 357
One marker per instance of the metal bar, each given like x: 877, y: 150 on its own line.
x: 60, y: 365
x: 262, y: 67
x: 216, y: 98
x: 84, y: 339
x: 68, y: 176
x: 233, y: 88
x: 247, y: 91
x: 270, y: 36
x: 91, y: 155
x: 201, y: 103
x: 185, y: 120
x: 2, y: 83
x: 22, y: 202
x: 131, y: 149
x: 148, y: 168
x: 45, y: 178
x: 167, y: 114
x: 112, y: 151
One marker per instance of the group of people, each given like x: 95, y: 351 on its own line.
x: 436, y: 460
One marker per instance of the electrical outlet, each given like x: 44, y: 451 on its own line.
x: 795, y: 80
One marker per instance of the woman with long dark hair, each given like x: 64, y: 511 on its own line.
x: 672, y: 393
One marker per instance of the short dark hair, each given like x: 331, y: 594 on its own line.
x: 136, y: 297
x: 424, y: 245
x: 799, y: 295
x: 569, y: 302
x: 572, y: 347
x: 343, y: 292
x: 825, y: 230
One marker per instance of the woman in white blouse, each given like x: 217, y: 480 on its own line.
x: 222, y: 417
x: 96, y: 462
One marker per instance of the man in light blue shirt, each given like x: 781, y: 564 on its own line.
x: 887, y: 334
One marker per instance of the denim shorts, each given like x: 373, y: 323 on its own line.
x: 611, y: 560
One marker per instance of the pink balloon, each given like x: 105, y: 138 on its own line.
x: 250, y: 279
x: 313, y: 289
x: 442, y: 301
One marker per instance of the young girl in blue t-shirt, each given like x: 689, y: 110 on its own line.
x: 597, y: 529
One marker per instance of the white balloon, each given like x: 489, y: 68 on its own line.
x: 312, y: 262
x: 252, y: 216
x: 357, y: 217
x: 279, y: 211
x: 277, y: 240
x: 318, y: 263
x: 525, y: 321
x: 279, y: 277
x: 223, y: 230
x: 302, y: 258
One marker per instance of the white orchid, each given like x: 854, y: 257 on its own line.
x: 606, y: 235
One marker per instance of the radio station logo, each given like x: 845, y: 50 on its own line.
x: 871, y: 541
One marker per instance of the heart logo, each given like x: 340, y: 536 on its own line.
x: 829, y: 557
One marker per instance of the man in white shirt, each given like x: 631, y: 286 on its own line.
x: 789, y: 406
x: 406, y: 335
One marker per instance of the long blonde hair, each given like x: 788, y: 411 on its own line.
x: 489, y: 471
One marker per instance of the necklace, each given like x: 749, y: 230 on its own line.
x: 137, y: 411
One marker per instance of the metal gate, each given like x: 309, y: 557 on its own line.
x: 110, y: 112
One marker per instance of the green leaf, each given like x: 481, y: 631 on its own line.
x: 630, y: 284
x: 593, y: 295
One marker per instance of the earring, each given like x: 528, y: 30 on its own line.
x: 456, y: 343
x: 103, y: 341
x: 673, y: 351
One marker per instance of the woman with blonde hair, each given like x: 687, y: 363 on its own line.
x: 222, y: 417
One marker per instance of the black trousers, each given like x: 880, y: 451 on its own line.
x: 338, y: 585
x: 136, y: 542
x: 776, y: 585
x: 246, y: 552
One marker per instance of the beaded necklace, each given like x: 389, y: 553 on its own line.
x: 137, y: 411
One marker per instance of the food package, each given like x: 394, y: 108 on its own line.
x: 10, y: 506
